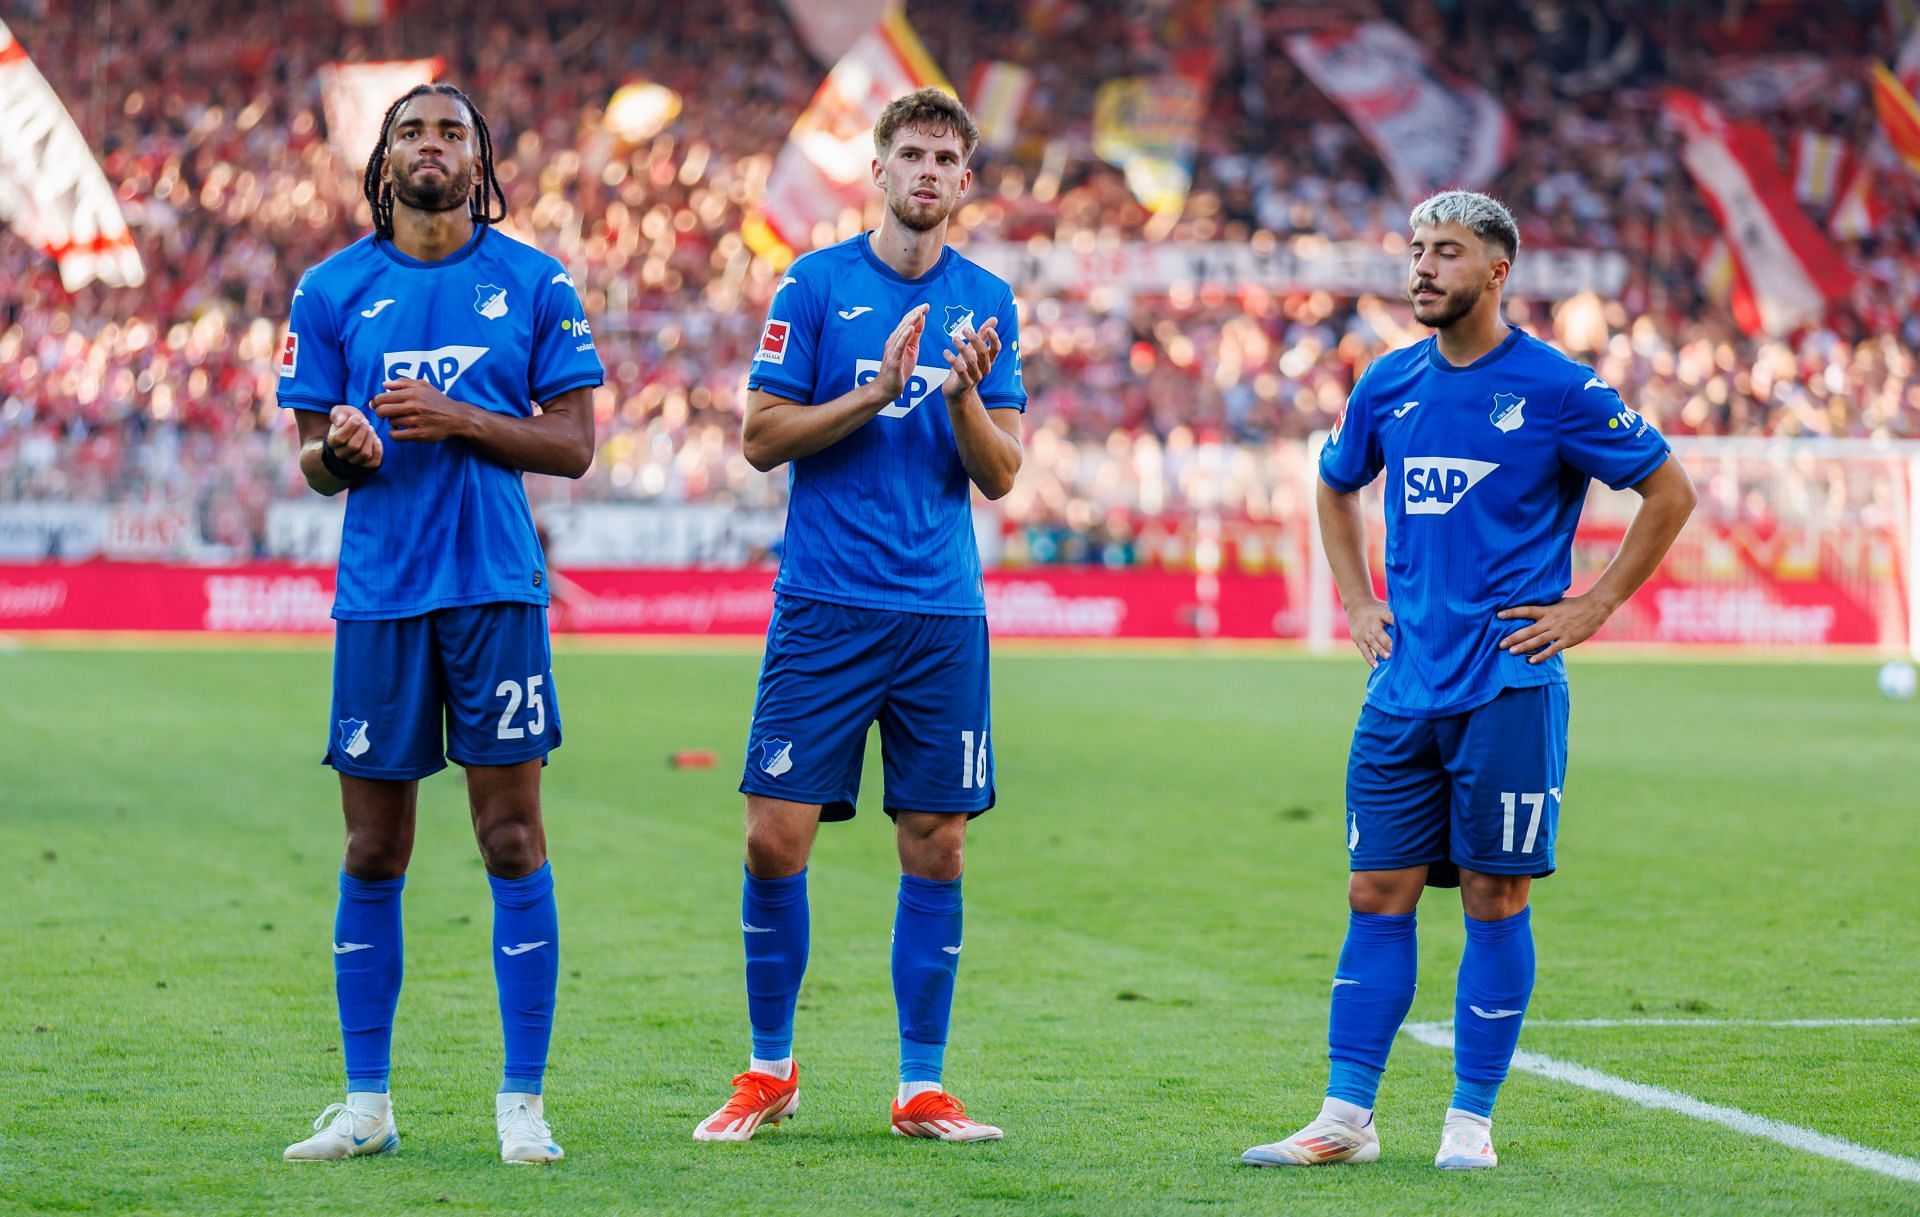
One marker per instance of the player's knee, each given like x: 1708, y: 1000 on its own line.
x: 376, y: 858
x: 1391, y: 893
x: 772, y: 854
x: 938, y: 855
x: 1493, y: 897
x: 512, y: 848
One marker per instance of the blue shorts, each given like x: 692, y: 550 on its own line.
x: 483, y: 675
x: 1479, y: 789
x: 831, y: 670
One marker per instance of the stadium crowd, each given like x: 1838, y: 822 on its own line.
x: 207, y: 120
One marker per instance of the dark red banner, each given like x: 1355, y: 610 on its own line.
x: 267, y: 598
x: 1741, y: 606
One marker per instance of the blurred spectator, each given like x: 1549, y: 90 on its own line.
x: 206, y: 118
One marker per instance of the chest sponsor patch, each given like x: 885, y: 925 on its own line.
x: 920, y: 385
x: 1434, y: 484
x: 440, y: 367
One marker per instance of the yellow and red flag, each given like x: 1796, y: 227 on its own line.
x: 822, y: 170
x: 1899, y: 116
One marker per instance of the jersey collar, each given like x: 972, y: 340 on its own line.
x: 939, y: 267
x: 1435, y: 358
x: 457, y: 256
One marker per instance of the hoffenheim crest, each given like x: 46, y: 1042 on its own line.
x: 776, y: 756
x: 1506, y: 411
x: 353, y: 737
x: 957, y: 316
x: 490, y: 301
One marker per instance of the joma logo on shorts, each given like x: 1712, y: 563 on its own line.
x: 1435, y: 483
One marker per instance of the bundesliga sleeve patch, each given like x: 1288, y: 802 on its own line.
x: 773, y: 343
x: 290, y: 356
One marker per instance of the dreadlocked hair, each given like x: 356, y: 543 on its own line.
x: 487, y: 205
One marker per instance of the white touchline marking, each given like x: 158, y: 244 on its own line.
x: 1720, y: 1022
x: 1440, y: 1035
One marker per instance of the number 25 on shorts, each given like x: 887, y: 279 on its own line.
x: 536, y: 705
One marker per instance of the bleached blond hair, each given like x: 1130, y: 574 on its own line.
x: 1486, y: 217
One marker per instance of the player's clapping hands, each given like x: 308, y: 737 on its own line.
x: 902, y: 353
x: 353, y: 438
x: 973, y: 358
x: 416, y: 411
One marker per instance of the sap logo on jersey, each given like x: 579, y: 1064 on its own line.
x: 920, y: 385
x: 1436, y: 483
x: 439, y: 367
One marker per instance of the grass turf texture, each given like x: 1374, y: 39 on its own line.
x: 1153, y: 915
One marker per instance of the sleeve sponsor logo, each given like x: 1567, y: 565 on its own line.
x: 290, y: 356
x: 773, y: 342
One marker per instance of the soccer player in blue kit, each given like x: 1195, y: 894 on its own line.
x: 879, y: 610
x: 441, y: 603
x: 1489, y: 437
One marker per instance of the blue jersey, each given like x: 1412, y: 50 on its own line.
x: 1487, y: 469
x: 497, y: 325
x: 883, y: 518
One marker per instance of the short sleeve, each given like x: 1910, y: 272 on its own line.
x: 1004, y: 387
x: 1605, y: 438
x: 312, y: 365
x: 784, y: 361
x: 1352, y: 456
x: 563, y: 356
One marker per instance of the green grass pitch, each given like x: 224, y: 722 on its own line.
x: 1152, y: 917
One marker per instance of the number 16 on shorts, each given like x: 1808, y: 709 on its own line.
x: 973, y: 761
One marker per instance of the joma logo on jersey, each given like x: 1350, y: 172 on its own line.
x: 1435, y: 483
x: 920, y: 385
x: 439, y: 367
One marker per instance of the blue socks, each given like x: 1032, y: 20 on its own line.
x: 774, y: 923
x: 1496, y: 979
x: 366, y: 976
x: 926, y: 957
x: 1372, y: 992
x: 526, y: 967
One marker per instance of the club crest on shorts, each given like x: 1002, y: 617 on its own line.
x: 1506, y: 411
x: 776, y: 756
x: 353, y: 737
x: 490, y: 301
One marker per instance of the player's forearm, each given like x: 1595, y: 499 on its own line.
x: 1667, y: 500
x: 778, y: 431
x: 990, y: 456
x: 549, y: 443
x: 313, y: 468
x: 1343, y: 535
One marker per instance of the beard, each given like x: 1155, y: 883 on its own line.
x: 919, y: 217
x: 1448, y: 309
x: 437, y: 194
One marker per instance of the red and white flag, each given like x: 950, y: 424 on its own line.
x: 822, y: 170
x: 52, y: 191
x: 1432, y: 132
x: 1720, y: 278
x: 1793, y: 270
x: 356, y: 97
x: 997, y: 96
x: 1860, y: 210
x: 1819, y: 166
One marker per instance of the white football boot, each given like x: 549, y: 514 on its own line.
x: 360, y: 1127
x: 1466, y: 1142
x: 1329, y: 1139
x: 520, y: 1119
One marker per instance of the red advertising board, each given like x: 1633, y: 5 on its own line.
x: 1806, y: 608
x: 268, y: 598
